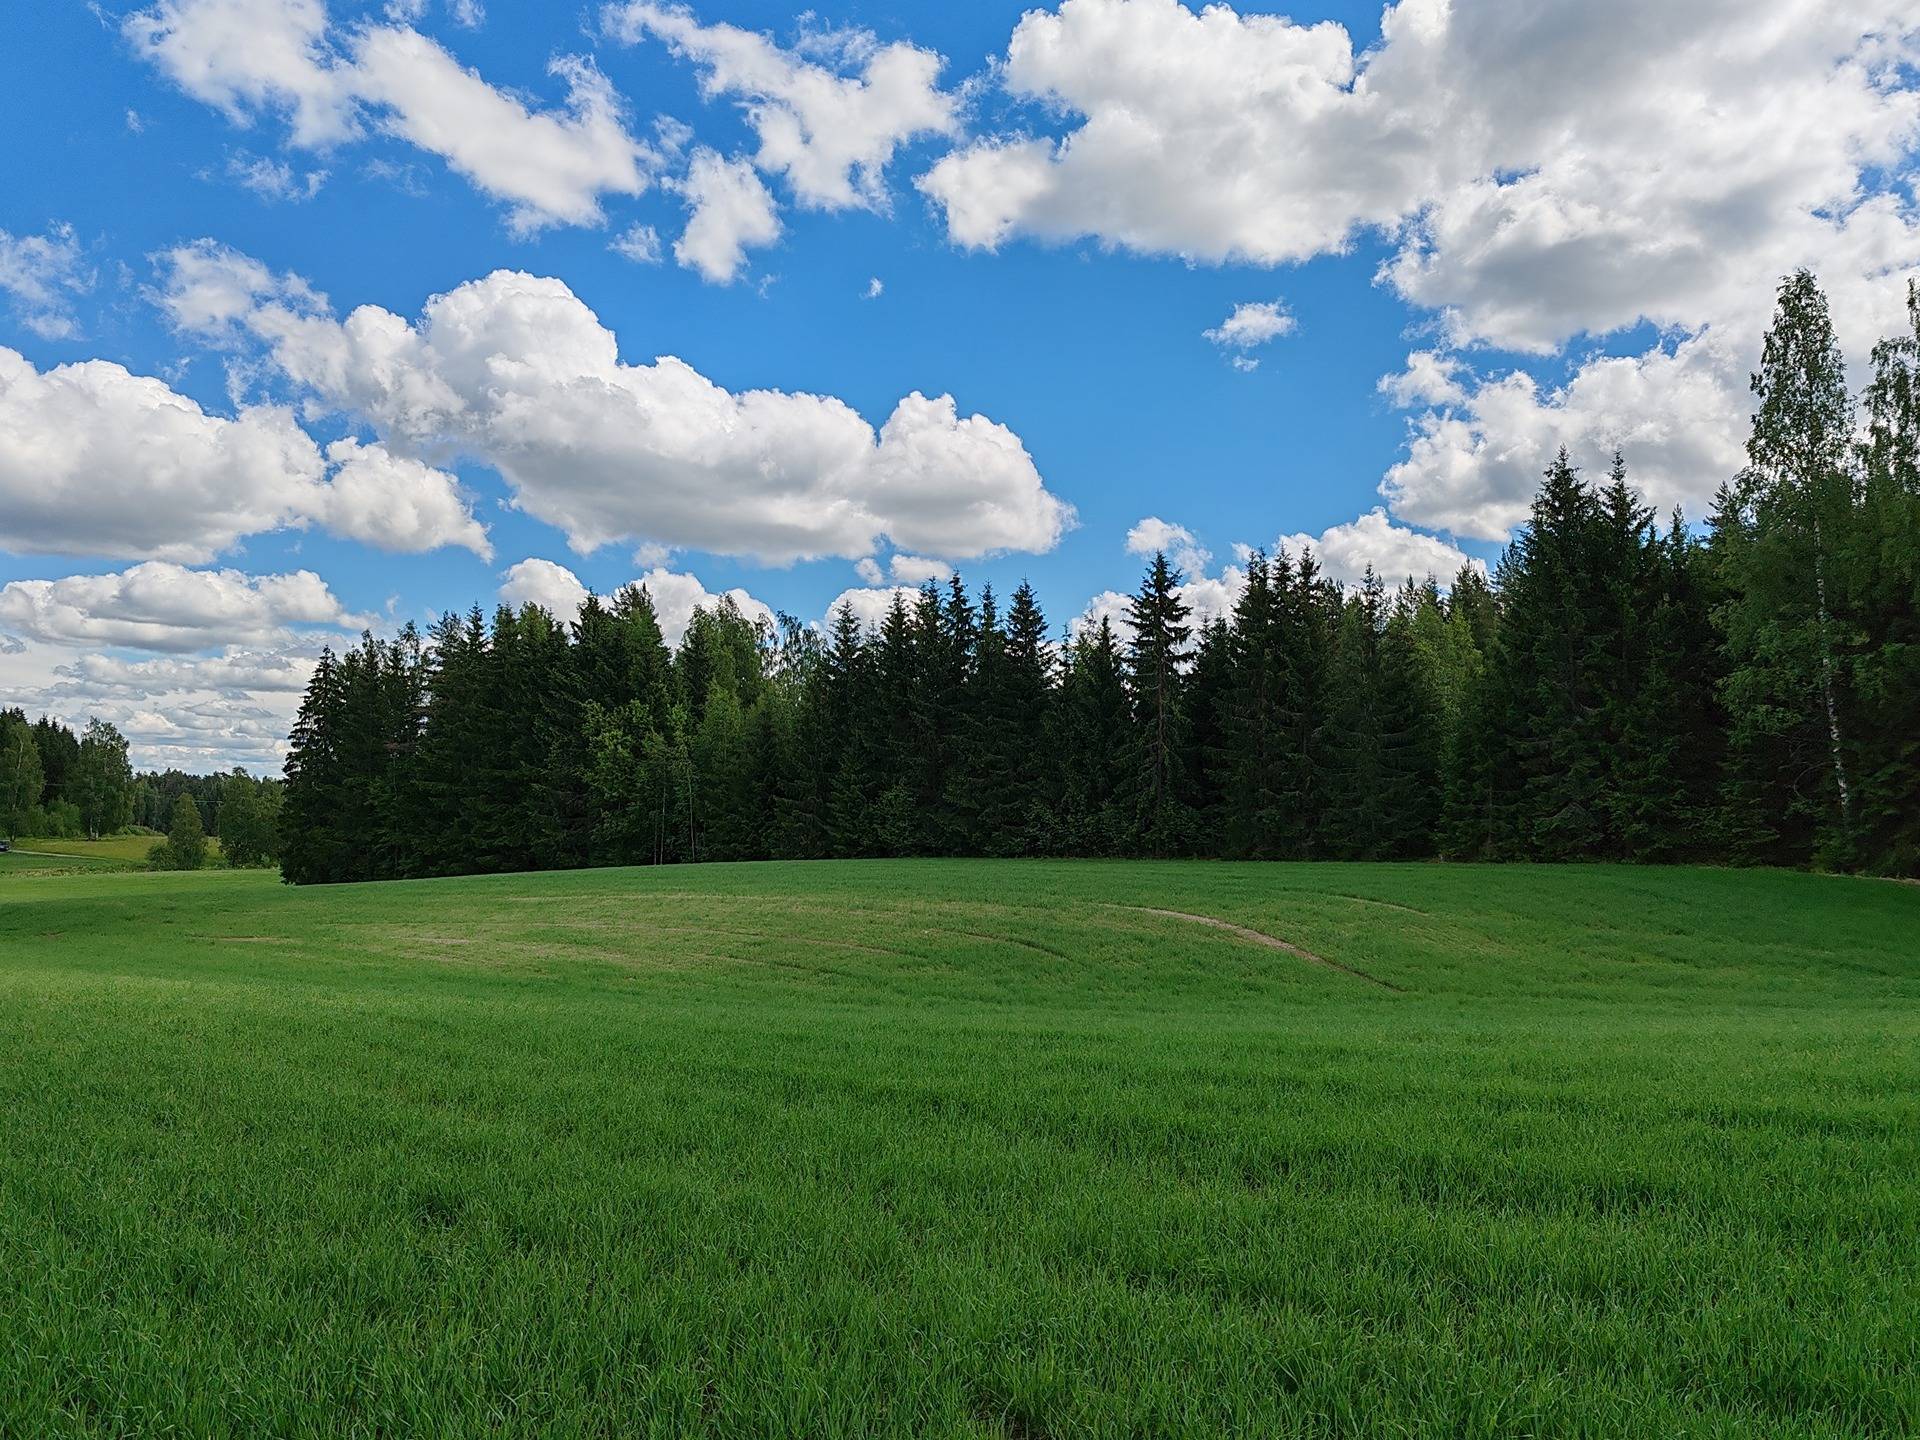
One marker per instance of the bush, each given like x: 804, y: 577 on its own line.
x: 185, y: 847
x: 58, y: 821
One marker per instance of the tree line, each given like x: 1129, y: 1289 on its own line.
x: 57, y: 785
x: 1618, y: 690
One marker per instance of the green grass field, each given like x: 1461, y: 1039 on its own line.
x: 41, y: 856
x: 962, y: 1149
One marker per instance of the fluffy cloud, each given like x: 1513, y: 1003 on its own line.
x: 1565, y: 167
x: 554, y: 588
x: 1543, y: 169
x: 1252, y: 324
x: 870, y: 605
x: 514, y: 370
x: 918, y: 569
x: 732, y: 212
x: 392, y: 502
x: 550, y: 167
x: 285, y: 56
x: 163, y: 607
x: 1209, y: 135
x: 1343, y: 551
x: 1208, y: 598
x: 1154, y: 536
x: 95, y: 460
x: 194, y: 712
x: 234, y: 671
x: 829, y: 133
x: 1432, y: 377
x: 41, y: 274
x: 1395, y: 552
x: 244, y: 56
x: 469, y: 14
x: 1679, y: 416
x: 675, y: 597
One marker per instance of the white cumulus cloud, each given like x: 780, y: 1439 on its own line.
x: 515, y: 371
x: 675, y: 596
x: 1542, y: 170
x: 731, y: 213
x: 828, y: 129
x: 918, y: 569
x: 1395, y: 552
x: 869, y: 604
x: 95, y: 460
x: 333, y: 84
x: 1154, y: 535
x: 164, y: 607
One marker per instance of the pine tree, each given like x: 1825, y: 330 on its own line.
x: 1412, y: 736
x: 1095, y: 746
x: 1156, y: 655
x: 1307, y: 615
x: 59, y: 751
x: 313, y: 842
x: 847, y: 742
x: 1354, y: 825
x: 1013, y: 761
x: 1670, y: 737
x: 1208, y: 685
x: 1252, y: 723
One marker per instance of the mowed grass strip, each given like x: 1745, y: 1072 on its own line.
x: 961, y: 1149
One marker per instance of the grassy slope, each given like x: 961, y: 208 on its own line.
x: 126, y: 849
x: 961, y: 1149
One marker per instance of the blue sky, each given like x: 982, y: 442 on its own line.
x: 1539, y: 263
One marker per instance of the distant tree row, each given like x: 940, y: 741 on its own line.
x: 56, y: 785
x: 1618, y: 691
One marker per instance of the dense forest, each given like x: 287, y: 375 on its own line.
x: 1622, y: 690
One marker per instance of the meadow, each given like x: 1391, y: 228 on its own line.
x: 962, y: 1149
x: 40, y: 855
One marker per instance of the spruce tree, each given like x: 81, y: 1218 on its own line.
x: 1208, y: 685
x: 847, y: 736
x: 1156, y: 654
x: 312, y: 844
x: 1252, y: 720
x: 1015, y: 719
x: 1308, y: 613
x: 1412, y: 737
x: 1095, y: 746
